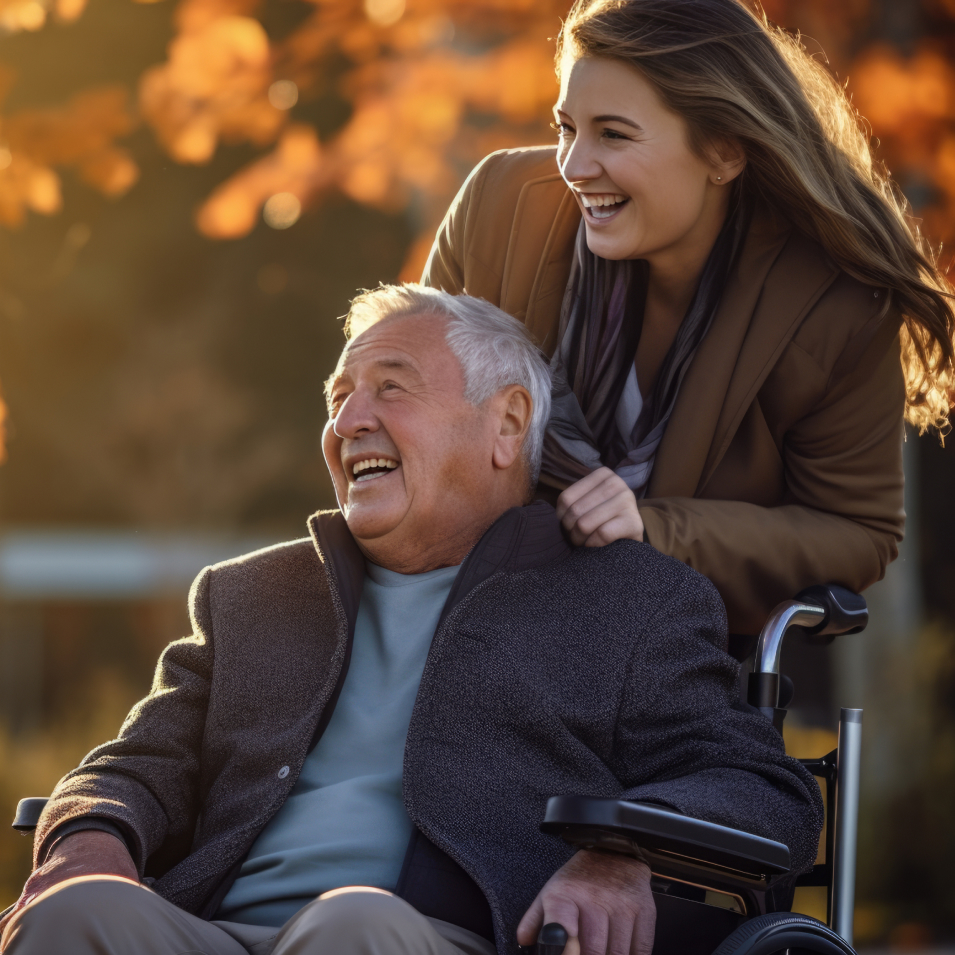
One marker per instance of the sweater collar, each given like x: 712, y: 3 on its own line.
x: 522, y: 538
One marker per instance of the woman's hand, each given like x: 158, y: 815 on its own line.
x: 600, y: 509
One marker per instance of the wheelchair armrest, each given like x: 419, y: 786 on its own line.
x: 676, y: 846
x: 28, y: 813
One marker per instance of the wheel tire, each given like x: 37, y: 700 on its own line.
x: 777, y: 931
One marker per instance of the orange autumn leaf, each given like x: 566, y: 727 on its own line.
x: 294, y: 168
x: 214, y: 86
x: 80, y: 134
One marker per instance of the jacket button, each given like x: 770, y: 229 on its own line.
x: 283, y: 772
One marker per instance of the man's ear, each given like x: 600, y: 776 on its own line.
x: 513, y: 407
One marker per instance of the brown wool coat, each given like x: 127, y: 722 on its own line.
x: 781, y: 466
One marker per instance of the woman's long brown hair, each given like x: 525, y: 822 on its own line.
x: 733, y: 76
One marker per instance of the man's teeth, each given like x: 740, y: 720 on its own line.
x: 370, y: 463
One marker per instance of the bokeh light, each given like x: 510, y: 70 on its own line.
x: 385, y: 13
x: 283, y: 94
x: 282, y: 210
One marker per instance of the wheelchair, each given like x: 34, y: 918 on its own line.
x: 721, y: 891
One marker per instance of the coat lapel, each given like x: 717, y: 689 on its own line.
x: 790, y: 291
x: 718, y: 366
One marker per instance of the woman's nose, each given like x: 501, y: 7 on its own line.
x: 578, y: 162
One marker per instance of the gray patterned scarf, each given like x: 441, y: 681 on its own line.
x: 600, y: 324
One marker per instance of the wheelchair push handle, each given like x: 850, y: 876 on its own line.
x: 821, y: 612
x: 846, y: 612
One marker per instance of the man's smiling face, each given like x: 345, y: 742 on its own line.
x: 410, y: 458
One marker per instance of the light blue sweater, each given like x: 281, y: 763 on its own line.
x: 344, y: 822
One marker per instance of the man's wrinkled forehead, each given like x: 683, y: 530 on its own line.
x: 382, y: 346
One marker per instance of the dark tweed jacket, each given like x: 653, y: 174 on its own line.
x: 549, y: 673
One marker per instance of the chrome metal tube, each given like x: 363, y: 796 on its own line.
x: 847, y: 822
x: 790, y: 613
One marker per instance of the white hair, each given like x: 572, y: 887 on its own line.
x: 494, y: 349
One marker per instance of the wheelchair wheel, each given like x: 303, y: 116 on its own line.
x: 778, y: 931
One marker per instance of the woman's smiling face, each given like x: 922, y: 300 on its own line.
x: 642, y: 191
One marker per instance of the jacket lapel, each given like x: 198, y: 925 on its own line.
x: 790, y: 291
x: 749, y: 330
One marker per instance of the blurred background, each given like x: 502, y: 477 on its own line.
x: 190, y: 193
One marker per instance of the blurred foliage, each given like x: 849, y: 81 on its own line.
x: 429, y: 88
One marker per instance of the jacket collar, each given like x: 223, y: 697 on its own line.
x: 520, y: 539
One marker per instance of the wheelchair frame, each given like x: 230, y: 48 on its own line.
x: 736, y: 864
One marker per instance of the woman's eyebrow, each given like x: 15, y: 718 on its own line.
x: 618, y: 119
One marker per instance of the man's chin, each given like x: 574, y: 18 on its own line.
x: 371, y: 520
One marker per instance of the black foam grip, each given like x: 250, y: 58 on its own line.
x: 552, y: 939
x: 846, y: 612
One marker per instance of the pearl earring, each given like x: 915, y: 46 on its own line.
x: 719, y: 178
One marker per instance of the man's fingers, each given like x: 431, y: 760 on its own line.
x: 562, y: 911
x: 594, y: 930
x: 530, y: 925
x: 641, y: 942
x: 622, y: 931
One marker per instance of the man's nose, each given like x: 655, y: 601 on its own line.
x: 355, y: 416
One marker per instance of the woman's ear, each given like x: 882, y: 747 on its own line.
x: 727, y: 159
x: 514, y: 408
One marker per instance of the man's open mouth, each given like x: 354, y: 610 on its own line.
x: 602, y: 205
x: 372, y: 468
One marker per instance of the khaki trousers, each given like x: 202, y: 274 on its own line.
x: 111, y: 916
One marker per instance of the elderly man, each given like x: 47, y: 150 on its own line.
x: 353, y: 751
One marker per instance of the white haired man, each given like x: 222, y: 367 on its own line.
x: 353, y: 751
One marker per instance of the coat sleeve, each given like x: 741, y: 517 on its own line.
x: 684, y: 740
x: 145, y: 782
x: 843, y: 515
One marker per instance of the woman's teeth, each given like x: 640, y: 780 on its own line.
x: 602, y: 206
x: 375, y: 467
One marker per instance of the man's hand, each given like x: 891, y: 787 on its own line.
x: 90, y: 852
x: 600, y: 509
x: 602, y: 900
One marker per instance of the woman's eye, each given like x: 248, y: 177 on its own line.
x: 613, y: 134
x: 562, y: 128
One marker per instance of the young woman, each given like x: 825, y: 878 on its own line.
x: 726, y: 283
